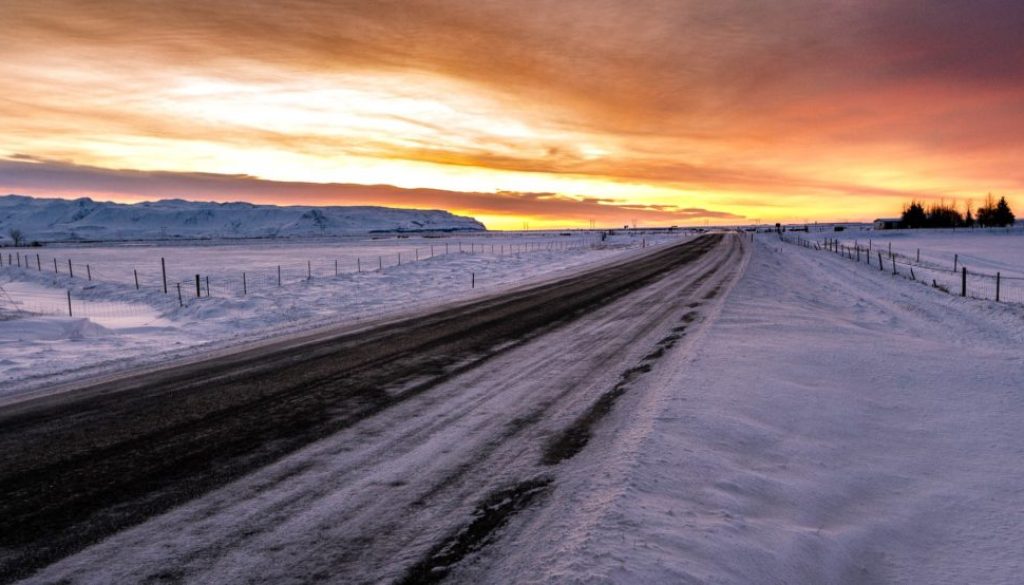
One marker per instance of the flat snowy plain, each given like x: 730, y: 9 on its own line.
x: 115, y: 326
x: 823, y: 422
x: 987, y: 250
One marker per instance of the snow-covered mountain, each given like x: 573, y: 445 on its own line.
x: 87, y: 220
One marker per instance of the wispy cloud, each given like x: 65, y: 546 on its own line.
x: 791, y: 106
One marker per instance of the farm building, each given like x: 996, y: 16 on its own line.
x: 887, y: 223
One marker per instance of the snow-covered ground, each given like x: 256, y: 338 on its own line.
x: 831, y: 426
x: 819, y: 424
x: 224, y: 261
x: 987, y: 250
x: 993, y: 258
x: 114, y: 326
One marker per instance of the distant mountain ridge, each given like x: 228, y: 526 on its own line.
x: 47, y: 220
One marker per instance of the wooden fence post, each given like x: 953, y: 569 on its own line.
x: 472, y: 282
x: 963, y: 282
x: 309, y: 270
x: 881, y: 265
x: 359, y: 265
x: 39, y: 263
x: 380, y: 263
x: 279, y: 275
x: 71, y: 271
x: 998, y: 282
x: 88, y: 272
x: 163, y: 270
x: 207, y: 286
x: 69, y: 304
x: 893, y: 258
x: 956, y: 260
x: 199, y: 291
x: 181, y: 303
x: 335, y: 268
x: 55, y: 266
x: 245, y: 287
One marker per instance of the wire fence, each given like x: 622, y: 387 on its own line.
x: 958, y: 280
x: 176, y: 291
x: 55, y: 302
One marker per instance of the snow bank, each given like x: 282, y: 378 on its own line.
x: 14, y: 331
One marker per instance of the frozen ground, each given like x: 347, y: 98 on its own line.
x: 223, y: 261
x: 832, y: 426
x: 987, y: 250
x: 984, y: 263
x: 126, y: 327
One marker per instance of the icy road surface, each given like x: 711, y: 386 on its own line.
x: 392, y: 438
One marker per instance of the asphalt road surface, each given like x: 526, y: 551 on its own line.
x: 402, y: 447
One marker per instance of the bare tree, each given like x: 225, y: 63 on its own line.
x: 17, y: 235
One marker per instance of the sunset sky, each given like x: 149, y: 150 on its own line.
x: 552, y: 112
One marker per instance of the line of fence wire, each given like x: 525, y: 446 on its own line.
x: 57, y: 302
x: 961, y: 280
x: 179, y: 292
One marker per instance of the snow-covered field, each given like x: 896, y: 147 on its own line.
x: 993, y: 258
x: 224, y: 261
x: 987, y: 250
x: 114, y: 326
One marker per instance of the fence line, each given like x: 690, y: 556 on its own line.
x: 958, y: 280
x: 180, y: 292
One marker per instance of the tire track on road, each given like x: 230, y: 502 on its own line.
x: 75, y: 470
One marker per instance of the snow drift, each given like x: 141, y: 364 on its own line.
x: 87, y: 220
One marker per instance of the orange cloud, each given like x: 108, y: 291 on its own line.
x: 780, y: 110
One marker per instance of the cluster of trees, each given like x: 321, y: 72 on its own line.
x: 943, y: 215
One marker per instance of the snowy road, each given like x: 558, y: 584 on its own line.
x: 387, y: 454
